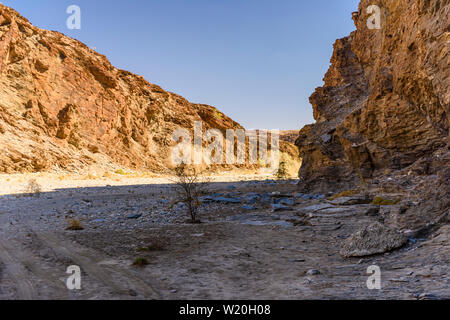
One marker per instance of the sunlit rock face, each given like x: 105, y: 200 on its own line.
x: 385, y: 104
x: 64, y: 106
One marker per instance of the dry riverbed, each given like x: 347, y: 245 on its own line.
x: 260, y: 239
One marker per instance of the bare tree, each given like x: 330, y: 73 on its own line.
x: 34, y: 188
x: 190, y: 186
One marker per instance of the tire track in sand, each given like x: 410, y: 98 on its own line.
x: 119, y: 280
x: 25, y: 289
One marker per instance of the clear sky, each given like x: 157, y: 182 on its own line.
x: 258, y: 61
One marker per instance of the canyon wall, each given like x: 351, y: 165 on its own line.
x: 64, y: 107
x: 385, y: 104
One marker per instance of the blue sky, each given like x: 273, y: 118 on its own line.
x: 258, y: 61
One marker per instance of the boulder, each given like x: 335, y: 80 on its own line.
x: 373, y: 239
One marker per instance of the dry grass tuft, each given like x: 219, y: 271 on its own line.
x: 74, y: 225
x: 140, y: 262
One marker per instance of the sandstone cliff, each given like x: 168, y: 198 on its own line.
x: 64, y: 106
x: 385, y: 105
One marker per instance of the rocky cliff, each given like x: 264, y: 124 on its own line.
x: 64, y: 106
x: 385, y: 104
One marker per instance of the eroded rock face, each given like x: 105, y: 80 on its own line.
x: 64, y: 106
x: 373, y: 239
x: 385, y: 104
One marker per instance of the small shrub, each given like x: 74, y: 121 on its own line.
x: 140, y: 262
x: 282, y: 171
x: 74, y: 225
x: 120, y: 171
x: 189, y: 187
x: 34, y: 188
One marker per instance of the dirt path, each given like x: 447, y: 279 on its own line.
x: 15, y: 269
x: 120, y: 281
x: 35, y: 276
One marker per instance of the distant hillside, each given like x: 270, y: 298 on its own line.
x: 289, y: 135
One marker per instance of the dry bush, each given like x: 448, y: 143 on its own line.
x: 74, y: 225
x: 282, y: 173
x: 140, y: 262
x: 190, y: 186
x: 34, y: 188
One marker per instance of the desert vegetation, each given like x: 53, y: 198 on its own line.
x: 190, y: 186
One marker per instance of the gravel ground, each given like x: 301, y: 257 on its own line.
x: 273, y: 243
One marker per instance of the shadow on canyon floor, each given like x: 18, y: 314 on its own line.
x: 246, y: 248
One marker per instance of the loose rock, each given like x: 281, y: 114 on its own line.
x: 373, y: 239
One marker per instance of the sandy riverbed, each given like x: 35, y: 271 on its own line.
x: 234, y: 254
